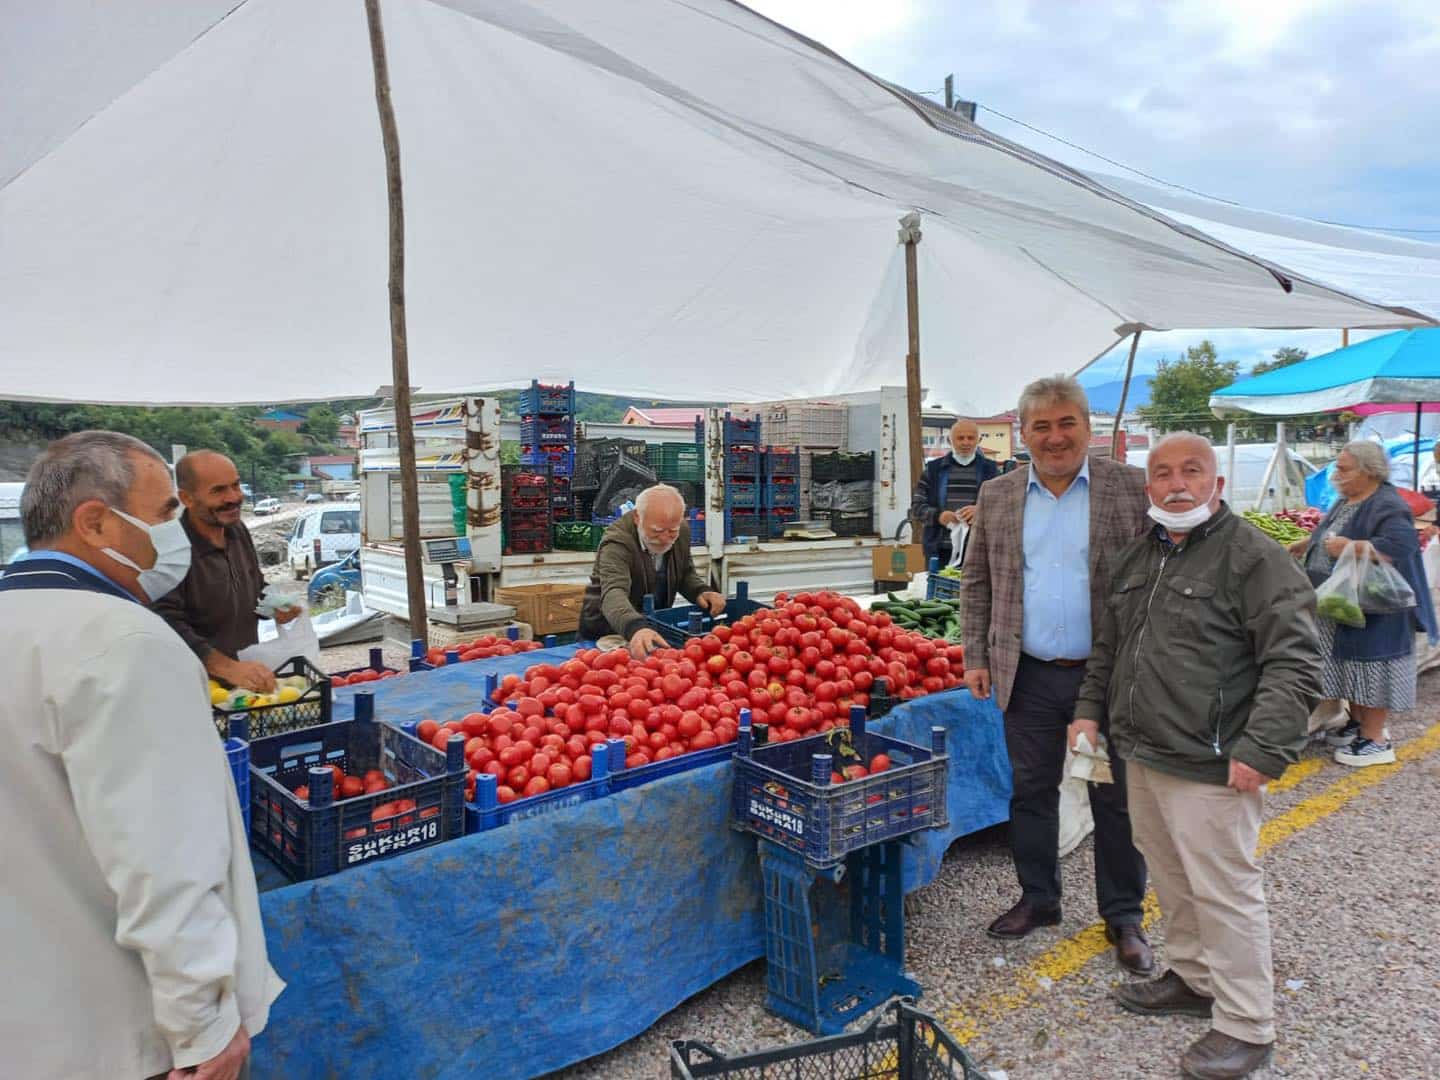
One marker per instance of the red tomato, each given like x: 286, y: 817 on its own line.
x: 580, y: 770
x: 742, y: 662
x: 704, y: 741
x: 351, y: 786
x: 374, y: 787
x: 558, y: 775
x: 879, y: 763
x: 855, y: 772
x: 689, y: 724
x: 504, y: 794
x: 303, y: 792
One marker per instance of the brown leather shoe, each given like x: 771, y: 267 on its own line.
x: 1166, y: 996
x: 1021, y: 919
x: 1132, y: 948
x: 1217, y: 1056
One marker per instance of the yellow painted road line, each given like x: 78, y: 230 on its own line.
x: 1297, y: 774
x: 966, y: 1022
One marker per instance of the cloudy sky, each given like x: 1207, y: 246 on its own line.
x: 1329, y: 110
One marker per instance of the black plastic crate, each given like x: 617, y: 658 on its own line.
x: 784, y: 794
x: 317, y: 836
x: 528, y: 545
x: 902, y: 1043
x: 540, y: 399
x: 577, y: 535
x: 845, y: 523
x: 312, y: 707
x: 842, y: 466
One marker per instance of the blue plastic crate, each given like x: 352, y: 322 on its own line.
x: 540, y: 399
x: 783, y: 792
x: 776, y: 521
x: 237, y: 753
x: 834, y: 944
x: 547, y: 431
x: 742, y: 523
x: 780, y: 461
x: 942, y: 588
x: 697, y: 526
x: 560, y: 462
x: 679, y: 624
x: 309, y: 839
x: 741, y: 432
x: 310, y: 709
x: 742, y: 494
x: 623, y: 779
x: 487, y: 812
x: 742, y: 464
x: 782, y: 493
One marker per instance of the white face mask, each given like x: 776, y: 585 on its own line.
x: 962, y: 460
x: 172, y: 555
x: 1183, y: 520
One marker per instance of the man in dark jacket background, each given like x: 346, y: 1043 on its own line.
x: 948, y: 488
x: 646, y: 552
x: 1204, y: 673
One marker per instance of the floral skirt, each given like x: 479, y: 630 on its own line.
x: 1376, y: 684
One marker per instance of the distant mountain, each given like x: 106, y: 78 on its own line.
x: 1105, y: 396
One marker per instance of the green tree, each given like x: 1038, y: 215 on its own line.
x: 1283, y: 357
x: 322, y: 423
x: 1180, y: 392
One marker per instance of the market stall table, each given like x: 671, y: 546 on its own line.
x: 520, y: 950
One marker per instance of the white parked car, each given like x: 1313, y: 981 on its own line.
x: 322, y: 537
x: 354, y: 496
x: 314, y: 497
x: 267, y: 506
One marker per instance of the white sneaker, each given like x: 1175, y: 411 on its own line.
x: 1343, y: 737
x: 1363, y: 752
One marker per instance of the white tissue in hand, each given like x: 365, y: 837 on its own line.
x: 1091, y: 764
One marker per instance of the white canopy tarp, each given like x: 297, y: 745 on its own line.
x: 674, y: 198
x: 1383, y: 269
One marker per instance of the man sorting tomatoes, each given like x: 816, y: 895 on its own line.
x: 646, y: 552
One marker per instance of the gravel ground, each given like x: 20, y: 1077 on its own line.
x: 1353, y: 906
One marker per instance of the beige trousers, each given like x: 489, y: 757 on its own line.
x: 1199, y: 843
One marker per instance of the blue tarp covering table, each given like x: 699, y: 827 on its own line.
x: 520, y: 950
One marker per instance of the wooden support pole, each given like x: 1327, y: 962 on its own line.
x: 399, y: 348
x: 1119, y: 434
x: 910, y: 237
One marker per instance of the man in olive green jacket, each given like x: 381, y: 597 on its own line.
x: 1204, y: 673
x: 646, y: 552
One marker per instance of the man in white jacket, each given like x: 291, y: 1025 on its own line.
x: 130, y: 936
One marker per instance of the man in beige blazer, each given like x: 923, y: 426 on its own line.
x: 1034, y: 589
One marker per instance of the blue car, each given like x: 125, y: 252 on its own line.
x: 337, y: 578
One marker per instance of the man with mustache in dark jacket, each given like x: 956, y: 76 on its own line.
x: 213, y: 609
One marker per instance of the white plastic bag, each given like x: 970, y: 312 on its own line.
x: 958, y: 532
x: 295, y: 638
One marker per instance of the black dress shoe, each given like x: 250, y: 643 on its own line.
x: 1168, y: 995
x: 1217, y: 1056
x: 1132, y: 948
x: 1021, y: 919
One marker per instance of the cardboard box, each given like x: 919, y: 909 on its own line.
x: 549, y: 609
x: 891, y: 562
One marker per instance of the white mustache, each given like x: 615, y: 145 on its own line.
x: 1178, y: 496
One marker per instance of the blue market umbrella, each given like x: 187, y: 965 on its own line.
x: 1398, y: 368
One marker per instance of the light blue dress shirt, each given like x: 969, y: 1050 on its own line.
x: 1056, y: 615
x: 68, y: 559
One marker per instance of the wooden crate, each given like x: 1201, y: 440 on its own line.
x: 549, y: 609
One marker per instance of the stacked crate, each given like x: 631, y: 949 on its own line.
x: 743, y: 477
x: 812, y: 427
x: 843, y: 486
x: 780, y: 491
x: 547, y: 439
x: 526, y: 505
x: 608, y: 474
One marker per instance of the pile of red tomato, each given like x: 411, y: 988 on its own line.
x: 359, y: 677
x: 798, y: 667
x: 385, y: 816
x: 480, y: 649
